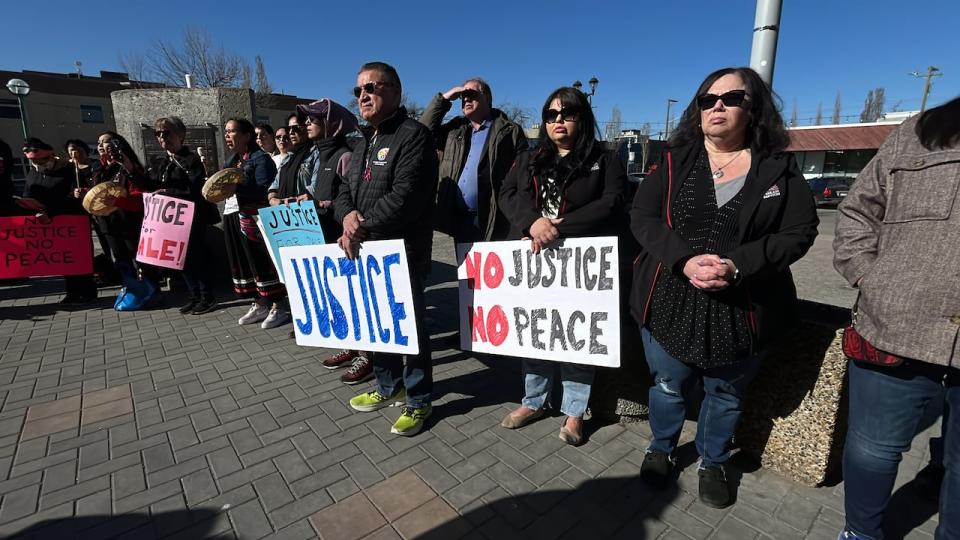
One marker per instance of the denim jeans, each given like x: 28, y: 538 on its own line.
x: 886, y: 407
x: 416, y: 375
x: 538, y: 377
x: 673, y: 382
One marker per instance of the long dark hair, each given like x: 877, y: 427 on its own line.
x: 766, y: 133
x: 246, y: 127
x: 125, y: 148
x: 546, y: 157
x: 939, y: 128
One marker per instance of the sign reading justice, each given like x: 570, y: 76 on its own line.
x: 362, y: 304
x: 166, y: 231
x: 562, y: 303
x: 29, y: 248
x: 284, y: 225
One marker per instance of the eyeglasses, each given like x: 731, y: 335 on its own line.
x: 566, y: 114
x: 161, y: 133
x: 282, y: 137
x: 733, y: 98
x: 370, y: 87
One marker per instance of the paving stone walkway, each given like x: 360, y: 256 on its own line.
x: 158, y: 425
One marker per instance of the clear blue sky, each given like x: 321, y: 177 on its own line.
x: 642, y: 52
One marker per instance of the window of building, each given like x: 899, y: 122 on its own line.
x: 9, y: 109
x: 91, y: 114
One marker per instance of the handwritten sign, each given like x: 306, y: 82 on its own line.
x: 561, y: 304
x: 294, y: 225
x: 165, y: 234
x: 362, y: 304
x: 29, y: 248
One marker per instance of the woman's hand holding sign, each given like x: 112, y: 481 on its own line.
x: 543, y: 232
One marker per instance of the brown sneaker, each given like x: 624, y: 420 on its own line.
x: 360, y: 371
x: 339, y: 359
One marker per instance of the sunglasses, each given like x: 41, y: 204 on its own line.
x: 566, y: 114
x: 733, y: 98
x: 161, y: 133
x: 370, y: 87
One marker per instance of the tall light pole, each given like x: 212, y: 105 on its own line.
x: 666, y: 125
x: 593, y: 82
x: 932, y: 71
x: 20, y: 88
x: 766, y: 28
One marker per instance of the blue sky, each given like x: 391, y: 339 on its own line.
x: 642, y: 52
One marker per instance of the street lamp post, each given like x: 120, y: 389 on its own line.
x: 666, y: 125
x: 593, y: 82
x: 20, y: 88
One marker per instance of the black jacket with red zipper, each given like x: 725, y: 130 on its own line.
x: 777, y: 225
x: 592, y: 202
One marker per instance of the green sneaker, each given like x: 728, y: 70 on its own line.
x: 372, y: 401
x: 411, y: 420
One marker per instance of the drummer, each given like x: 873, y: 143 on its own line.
x: 49, y: 192
x: 179, y: 173
x: 120, y: 165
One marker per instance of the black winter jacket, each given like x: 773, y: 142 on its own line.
x: 184, y: 179
x: 396, y: 200
x: 777, y: 225
x: 591, y: 204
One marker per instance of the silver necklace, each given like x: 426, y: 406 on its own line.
x: 718, y: 174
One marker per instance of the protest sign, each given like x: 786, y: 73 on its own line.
x: 29, y: 248
x: 293, y: 225
x: 165, y: 233
x: 561, y: 304
x: 362, y: 304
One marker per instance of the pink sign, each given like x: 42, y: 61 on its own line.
x: 29, y: 248
x: 165, y: 232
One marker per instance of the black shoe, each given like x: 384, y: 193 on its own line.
x: 188, y: 307
x: 927, y: 482
x: 205, y: 306
x: 71, y: 300
x: 714, y: 491
x: 656, y: 468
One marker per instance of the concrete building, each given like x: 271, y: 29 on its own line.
x: 63, y: 106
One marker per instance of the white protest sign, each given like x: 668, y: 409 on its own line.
x: 561, y: 304
x: 361, y: 304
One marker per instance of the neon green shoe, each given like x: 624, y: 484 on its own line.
x: 411, y: 420
x: 372, y: 401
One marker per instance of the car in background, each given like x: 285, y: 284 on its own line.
x: 828, y: 191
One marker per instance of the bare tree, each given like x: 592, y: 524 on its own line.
x: 263, y: 88
x: 135, y: 65
x: 819, y: 120
x: 168, y: 61
x: 873, y: 105
x: 414, y: 110
x: 837, y: 106
x: 517, y: 114
x: 645, y: 129
x: 612, y: 130
x: 793, y: 115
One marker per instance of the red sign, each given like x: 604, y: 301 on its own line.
x: 29, y: 248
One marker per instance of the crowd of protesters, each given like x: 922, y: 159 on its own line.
x: 715, y: 226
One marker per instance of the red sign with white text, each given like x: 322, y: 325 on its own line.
x: 29, y: 248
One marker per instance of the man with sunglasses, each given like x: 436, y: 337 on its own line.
x: 388, y: 194
x: 477, y: 150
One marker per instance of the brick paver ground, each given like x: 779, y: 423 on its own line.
x: 158, y: 425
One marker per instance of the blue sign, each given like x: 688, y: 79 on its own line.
x: 295, y: 225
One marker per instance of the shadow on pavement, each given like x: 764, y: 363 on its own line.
x: 196, y: 523
x: 600, y: 508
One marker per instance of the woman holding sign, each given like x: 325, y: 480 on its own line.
x: 253, y: 272
x: 179, y: 173
x: 720, y: 222
x: 569, y: 187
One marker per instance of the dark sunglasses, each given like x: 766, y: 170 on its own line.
x: 370, y: 87
x: 161, y: 133
x: 733, y: 98
x: 566, y: 114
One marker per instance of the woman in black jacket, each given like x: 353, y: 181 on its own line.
x: 720, y: 222
x: 180, y: 173
x: 569, y: 187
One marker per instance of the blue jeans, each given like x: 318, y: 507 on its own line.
x: 886, y: 407
x: 720, y: 411
x: 416, y: 375
x: 538, y: 377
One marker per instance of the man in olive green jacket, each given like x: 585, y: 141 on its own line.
x: 476, y: 152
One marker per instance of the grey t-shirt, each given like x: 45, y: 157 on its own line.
x: 728, y: 189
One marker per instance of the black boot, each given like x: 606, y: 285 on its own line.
x: 188, y: 307
x: 714, y: 491
x: 206, y: 305
x: 656, y: 468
